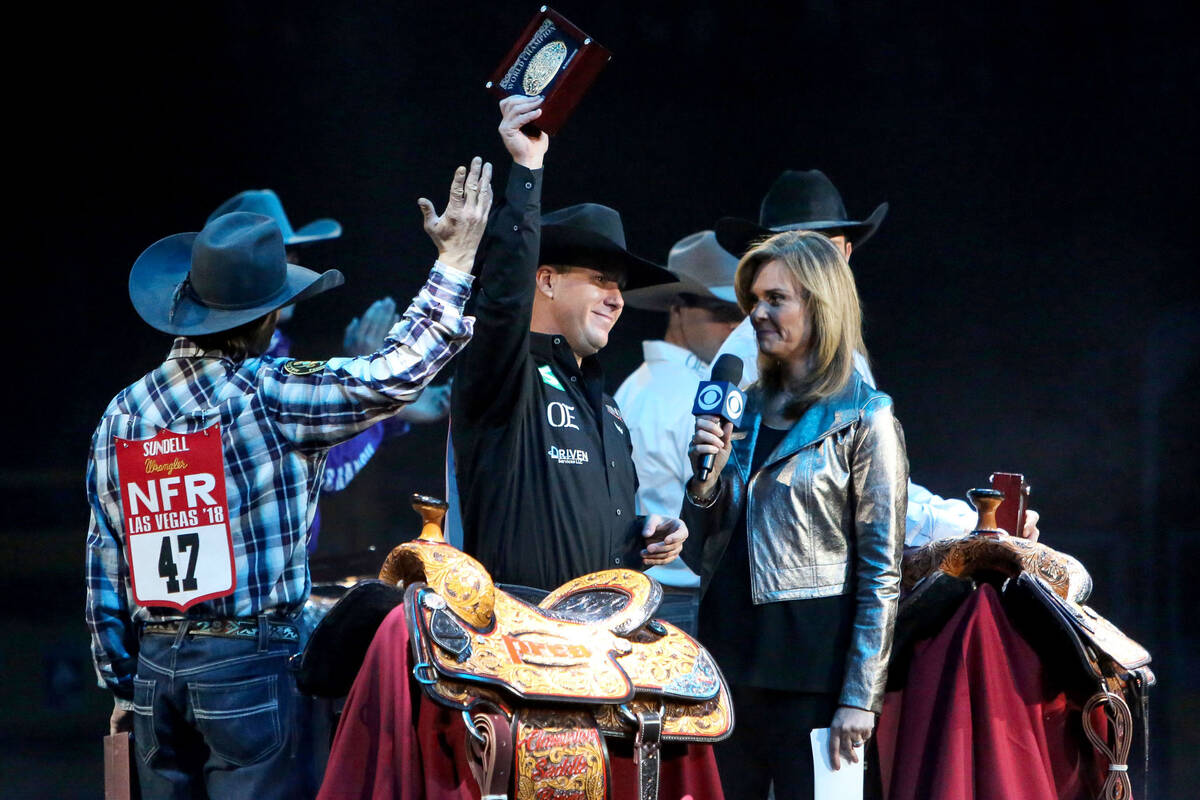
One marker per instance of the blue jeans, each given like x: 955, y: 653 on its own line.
x: 218, y: 717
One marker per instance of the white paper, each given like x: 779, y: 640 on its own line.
x: 829, y: 784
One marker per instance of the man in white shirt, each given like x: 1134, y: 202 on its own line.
x: 808, y: 200
x: 656, y: 399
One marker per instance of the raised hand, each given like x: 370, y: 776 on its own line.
x: 517, y: 111
x: 365, y: 334
x: 457, y: 232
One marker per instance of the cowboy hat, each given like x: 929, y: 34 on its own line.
x: 228, y: 274
x: 798, y: 201
x: 265, y: 201
x: 591, y: 235
x: 704, y: 269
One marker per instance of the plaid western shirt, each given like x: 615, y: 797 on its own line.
x: 276, y: 428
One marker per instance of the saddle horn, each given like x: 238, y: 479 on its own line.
x: 429, y: 559
x: 986, y: 501
x: 433, y: 514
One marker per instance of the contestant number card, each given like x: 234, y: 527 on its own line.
x: 178, y: 543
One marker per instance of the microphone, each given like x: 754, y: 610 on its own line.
x: 720, y: 397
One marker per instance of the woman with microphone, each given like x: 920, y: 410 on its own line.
x: 799, y: 525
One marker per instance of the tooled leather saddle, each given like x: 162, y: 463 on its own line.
x: 1043, y: 593
x: 541, y: 687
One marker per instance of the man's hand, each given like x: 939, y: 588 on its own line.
x: 457, y: 232
x: 121, y: 721
x: 518, y: 110
x: 711, y: 438
x: 1030, y: 531
x: 432, y: 405
x: 365, y: 335
x: 850, y: 729
x: 664, y: 538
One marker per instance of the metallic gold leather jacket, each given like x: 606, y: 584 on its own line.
x: 824, y: 515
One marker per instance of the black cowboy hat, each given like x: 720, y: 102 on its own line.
x: 228, y: 274
x: 798, y: 201
x: 591, y: 235
x: 704, y: 269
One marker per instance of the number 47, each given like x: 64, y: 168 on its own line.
x: 166, y: 564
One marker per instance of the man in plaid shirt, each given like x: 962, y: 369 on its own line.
x: 192, y: 631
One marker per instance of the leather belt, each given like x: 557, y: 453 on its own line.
x: 227, y: 628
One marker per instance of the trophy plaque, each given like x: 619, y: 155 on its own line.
x: 1011, y: 514
x: 552, y: 58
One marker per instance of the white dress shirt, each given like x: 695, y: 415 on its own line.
x: 656, y: 402
x: 930, y: 517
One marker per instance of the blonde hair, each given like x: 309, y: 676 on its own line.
x: 820, y: 275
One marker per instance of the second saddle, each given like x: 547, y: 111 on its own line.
x: 1043, y: 592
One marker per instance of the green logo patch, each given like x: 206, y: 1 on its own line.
x: 549, y: 378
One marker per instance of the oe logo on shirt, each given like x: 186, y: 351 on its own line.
x: 561, y: 415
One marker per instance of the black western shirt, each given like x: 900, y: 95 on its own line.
x: 544, y: 467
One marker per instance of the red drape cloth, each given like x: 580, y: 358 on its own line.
x: 392, y: 744
x: 975, y: 720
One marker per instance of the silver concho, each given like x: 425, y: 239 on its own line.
x: 432, y: 601
x: 543, y: 67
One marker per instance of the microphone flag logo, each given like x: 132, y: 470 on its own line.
x: 720, y: 398
x: 710, y: 397
x: 734, y: 405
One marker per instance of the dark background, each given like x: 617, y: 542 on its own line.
x: 1030, y: 299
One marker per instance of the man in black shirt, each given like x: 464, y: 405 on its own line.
x: 543, y: 457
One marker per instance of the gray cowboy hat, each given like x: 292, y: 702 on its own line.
x: 591, y: 235
x: 265, y: 201
x: 704, y: 269
x: 228, y: 274
x: 798, y: 201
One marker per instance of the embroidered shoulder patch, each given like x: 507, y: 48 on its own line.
x: 549, y: 378
x: 303, y: 367
x: 613, y: 410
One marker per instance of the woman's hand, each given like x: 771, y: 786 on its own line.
x: 711, y: 438
x: 851, y: 727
